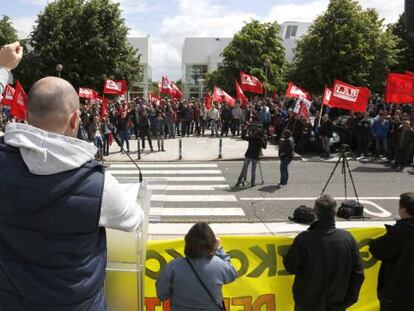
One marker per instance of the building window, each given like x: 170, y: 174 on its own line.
x: 195, y: 72
x: 291, y: 31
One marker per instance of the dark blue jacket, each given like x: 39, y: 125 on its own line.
x: 52, y: 250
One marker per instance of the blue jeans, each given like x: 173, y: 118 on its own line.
x: 381, y: 144
x: 214, y: 127
x: 284, y: 173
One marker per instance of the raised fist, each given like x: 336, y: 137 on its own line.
x: 11, y: 55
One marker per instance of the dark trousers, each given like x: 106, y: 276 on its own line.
x: 284, y: 173
x: 143, y: 141
x: 243, y: 173
x: 225, y: 128
x: 363, y: 144
x: 185, y: 128
x: 106, y: 144
x: 235, y: 125
x: 401, y: 157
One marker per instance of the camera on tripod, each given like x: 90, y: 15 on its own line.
x: 255, y: 130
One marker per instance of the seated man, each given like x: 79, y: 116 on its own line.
x: 56, y: 202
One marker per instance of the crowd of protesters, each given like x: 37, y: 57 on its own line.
x: 383, y: 132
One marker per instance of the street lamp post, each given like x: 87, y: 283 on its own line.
x: 201, y: 83
x: 59, y: 69
x: 267, y: 64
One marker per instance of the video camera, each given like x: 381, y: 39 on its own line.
x: 255, y: 130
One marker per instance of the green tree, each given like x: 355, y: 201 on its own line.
x: 405, y: 46
x: 346, y: 43
x: 89, y: 38
x: 254, y: 44
x: 7, y: 32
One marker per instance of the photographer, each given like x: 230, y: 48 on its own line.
x: 257, y: 142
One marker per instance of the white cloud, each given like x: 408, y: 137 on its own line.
x: 199, y: 18
x: 304, y: 12
x: 24, y: 25
x: 307, y: 12
x: 390, y: 10
x: 136, y: 6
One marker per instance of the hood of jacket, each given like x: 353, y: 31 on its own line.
x: 47, y: 153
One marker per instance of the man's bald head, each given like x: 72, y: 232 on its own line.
x: 51, y: 104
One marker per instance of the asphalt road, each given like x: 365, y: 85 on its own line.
x: 205, y: 191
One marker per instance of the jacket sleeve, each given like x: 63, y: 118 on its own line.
x: 357, y: 276
x: 295, y: 257
x: 119, y: 209
x: 163, y: 284
x: 385, y: 247
x: 230, y: 273
x: 5, y: 78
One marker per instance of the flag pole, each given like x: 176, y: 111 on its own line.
x: 320, y: 115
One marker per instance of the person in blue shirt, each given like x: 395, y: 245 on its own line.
x: 380, y: 130
x: 179, y: 283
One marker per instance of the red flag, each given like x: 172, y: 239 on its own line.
x: 18, y: 107
x: 250, y: 83
x: 302, y: 107
x: 400, y: 89
x: 8, y: 95
x: 176, y: 91
x: 87, y: 93
x: 295, y: 92
x: 166, y: 87
x: 104, y: 105
x: 327, y: 97
x: 153, y: 98
x: 118, y: 87
x: 349, y: 97
x: 220, y: 96
x: 208, y: 101
x: 240, y: 95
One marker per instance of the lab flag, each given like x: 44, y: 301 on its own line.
x: 221, y: 96
x: 326, y: 97
x: 400, y: 88
x: 18, y: 107
x: 176, y: 91
x: 294, y: 91
x: 87, y: 93
x: 166, y: 87
x: 240, y: 95
x: 349, y: 97
x: 250, y: 83
x: 8, y: 95
x: 118, y: 87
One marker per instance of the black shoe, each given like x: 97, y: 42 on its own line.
x: 252, y: 184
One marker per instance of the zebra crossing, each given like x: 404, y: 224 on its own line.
x: 184, y: 192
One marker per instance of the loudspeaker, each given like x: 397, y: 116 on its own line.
x: 409, y: 16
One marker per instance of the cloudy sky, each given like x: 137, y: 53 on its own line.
x: 168, y: 22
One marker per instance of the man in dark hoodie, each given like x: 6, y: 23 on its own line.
x: 396, y: 251
x: 326, y: 263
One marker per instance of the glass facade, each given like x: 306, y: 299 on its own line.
x: 194, y: 73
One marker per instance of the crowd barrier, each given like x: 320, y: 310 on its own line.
x: 263, y: 283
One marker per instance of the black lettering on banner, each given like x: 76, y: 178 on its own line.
x: 367, y: 259
x: 242, y: 258
x: 173, y: 253
x: 268, y: 261
x: 152, y: 254
x: 282, y: 251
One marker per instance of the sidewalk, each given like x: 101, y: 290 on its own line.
x: 193, y: 149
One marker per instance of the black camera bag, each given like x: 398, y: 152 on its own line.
x: 351, y: 209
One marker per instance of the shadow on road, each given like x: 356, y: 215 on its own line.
x: 364, y: 169
x: 269, y: 188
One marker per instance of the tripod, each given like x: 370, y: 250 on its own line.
x: 345, y: 169
x: 243, y: 180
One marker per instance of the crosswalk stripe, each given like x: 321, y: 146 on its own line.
x: 164, y: 166
x: 188, y: 187
x: 196, y: 211
x: 193, y: 198
x: 166, y: 172
x: 185, y: 178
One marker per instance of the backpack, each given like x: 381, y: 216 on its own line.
x: 351, y: 209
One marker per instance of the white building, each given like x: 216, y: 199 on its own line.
x: 291, y: 32
x: 144, y: 48
x: 200, y: 56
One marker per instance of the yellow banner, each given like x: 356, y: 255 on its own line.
x: 263, y: 283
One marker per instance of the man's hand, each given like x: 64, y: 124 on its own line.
x: 11, y: 55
